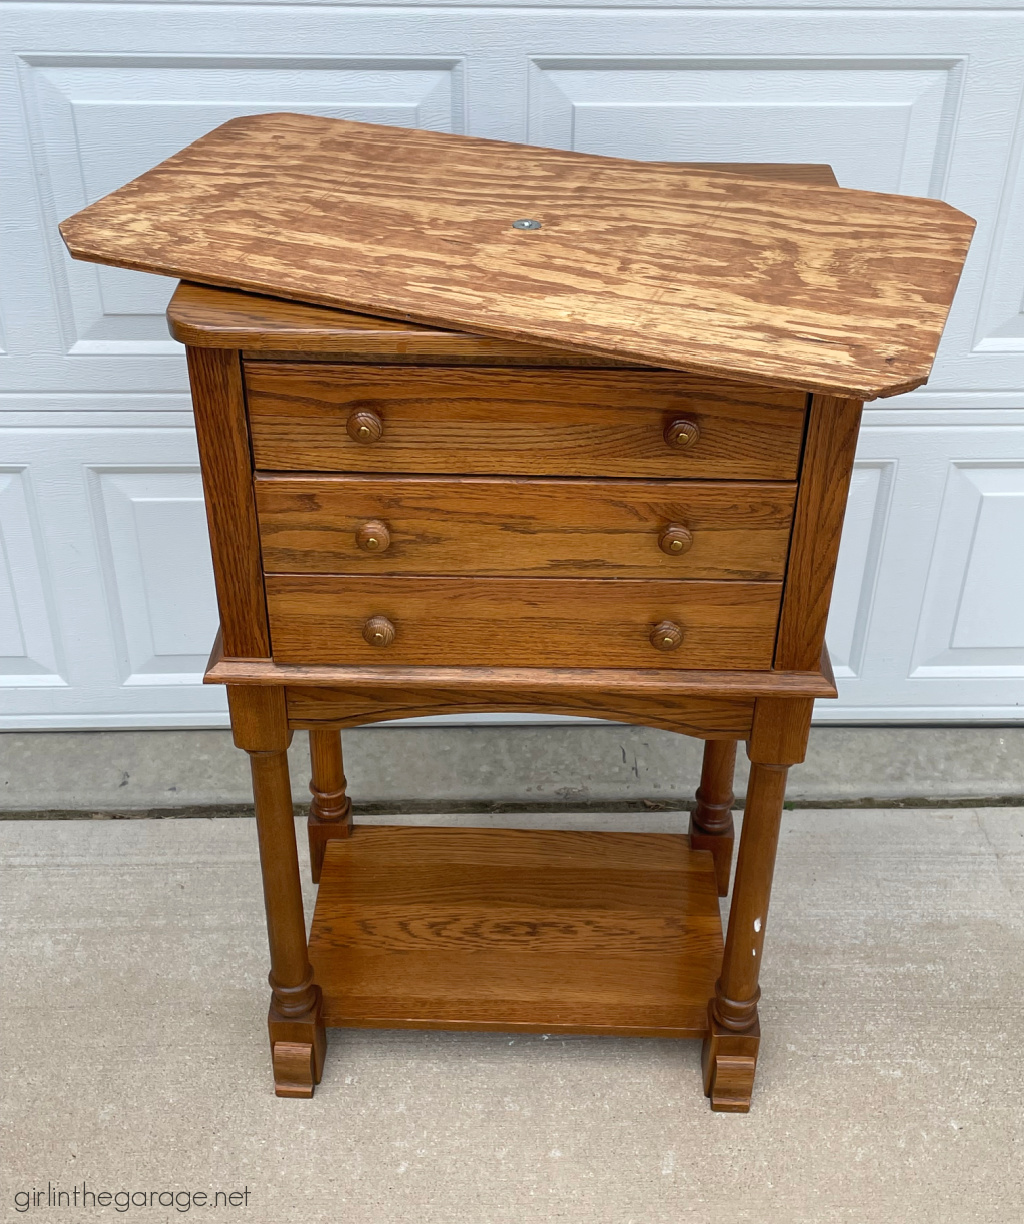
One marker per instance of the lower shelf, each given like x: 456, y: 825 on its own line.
x: 517, y: 930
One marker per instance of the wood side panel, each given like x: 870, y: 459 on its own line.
x: 704, y: 717
x: 785, y: 283
x: 522, y: 930
x: 507, y: 527
x: 525, y: 622
x: 544, y: 423
x: 829, y: 450
x: 218, y: 400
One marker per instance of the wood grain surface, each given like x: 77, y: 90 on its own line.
x: 711, y: 823
x: 201, y: 315
x: 557, y: 528
x: 829, y: 450
x: 511, y: 680
x: 330, y: 809
x: 218, y: 400
x: 259, y: 719
x: 522, y: 622
x: 516, y: 930
x: 274, y: 329
x: 705, y: 716
x: 791, y: 284
x: 778, y: 172
x: 226, y: 318
x: 780, y: 729
x: 529, y: 422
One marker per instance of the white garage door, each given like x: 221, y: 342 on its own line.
x: 106, y: 599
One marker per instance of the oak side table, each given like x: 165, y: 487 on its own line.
x: 552, y: 479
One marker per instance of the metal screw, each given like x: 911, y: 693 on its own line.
x: 526, y: 224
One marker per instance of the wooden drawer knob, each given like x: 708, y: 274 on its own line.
x: 379, y: 631
x: 681, y: 433
x: 365, y: 426
x: 373, y: 537
x: 674, y: 539
x: 666, y: 635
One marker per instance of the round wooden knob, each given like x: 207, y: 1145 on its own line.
x: 365, y: 426
x: 373, y: 537
x: 681, y: 433
x: 674, y: 539
x: 666, y: 635
x: 379, y: 631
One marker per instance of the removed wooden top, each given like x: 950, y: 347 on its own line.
x: 226, y: 318
x: 789, y: 284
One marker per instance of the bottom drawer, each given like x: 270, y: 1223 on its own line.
x: 519, y: 622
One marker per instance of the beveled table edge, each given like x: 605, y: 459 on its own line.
x: 738, y: 684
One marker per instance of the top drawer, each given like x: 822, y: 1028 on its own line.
x: 343, y: 418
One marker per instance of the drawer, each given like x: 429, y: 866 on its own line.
x: 521, y: 622
x: 476, y: 525
x: 653, y: 424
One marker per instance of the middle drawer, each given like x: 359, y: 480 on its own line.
x: 559, y: 528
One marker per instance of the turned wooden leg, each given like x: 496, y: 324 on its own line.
x: 711, y: 826
x: 297, y: 1038
x: 330, y: 813
x: 730, y: 1048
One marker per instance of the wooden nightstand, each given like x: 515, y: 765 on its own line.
x: 408, y: 520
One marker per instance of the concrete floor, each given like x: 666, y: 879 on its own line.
x: 561, y: 764
x: 891, y: 1083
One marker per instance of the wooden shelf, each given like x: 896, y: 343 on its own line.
x: 517, y: 930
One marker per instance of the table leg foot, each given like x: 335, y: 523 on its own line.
x: 729, y: 1061
x: 297, y: 1050
x: 293, y: 1069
